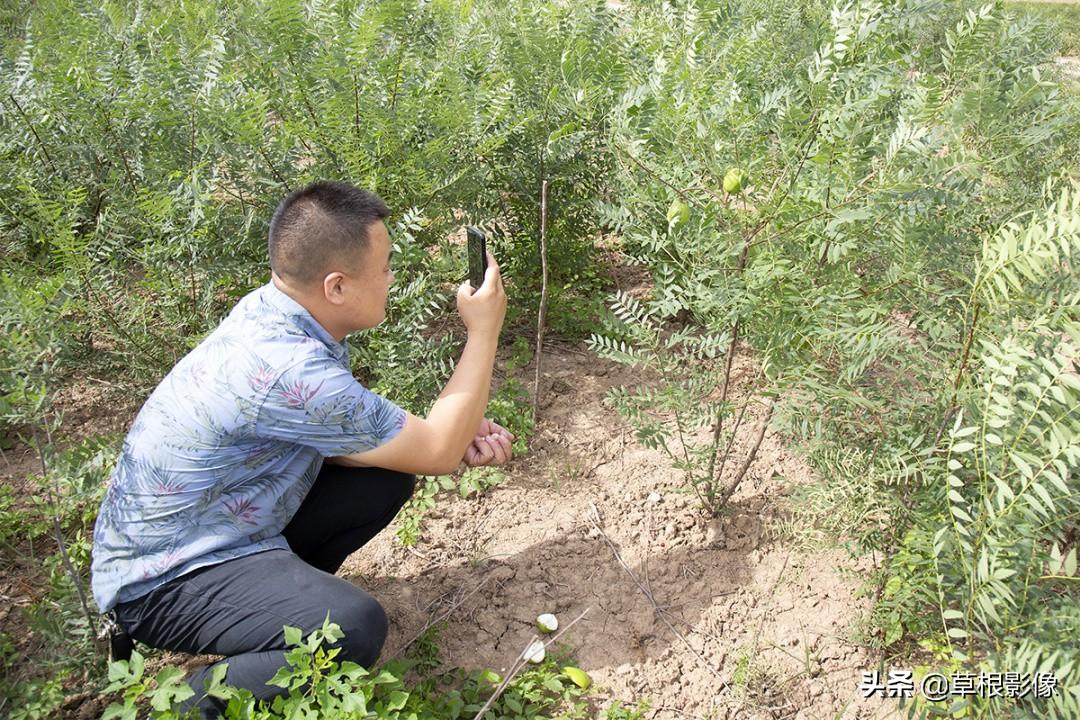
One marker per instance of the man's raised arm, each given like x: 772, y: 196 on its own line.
x: 435, y: 445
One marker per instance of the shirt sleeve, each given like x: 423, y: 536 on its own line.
x: 318, y: 403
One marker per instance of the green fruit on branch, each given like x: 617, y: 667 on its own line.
x: 734, y: 180
x: 578, y: 676
x: 491, y: 677
x: 678, y: 213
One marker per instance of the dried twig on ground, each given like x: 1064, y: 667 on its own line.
x: 772, y: 591
x: 594, y: 518
x: 435, y: 621
x: 667, y: 708
x: 521, y: 661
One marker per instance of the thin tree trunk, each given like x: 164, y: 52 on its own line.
x: 58, y: 532
x: 749, y: 458
x: 543, y: 296
x: 29, y: 124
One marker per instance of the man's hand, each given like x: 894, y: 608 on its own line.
x: 491, y: 446
x: 483, y: 309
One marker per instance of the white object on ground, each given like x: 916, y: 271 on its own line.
x: 535, y: 652
x: 547, y: 623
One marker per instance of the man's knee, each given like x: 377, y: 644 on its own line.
x: 402, y: 486
x: 365, y: 625
x: 408, y: 486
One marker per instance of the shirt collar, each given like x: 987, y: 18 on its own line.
x: 302, y: 318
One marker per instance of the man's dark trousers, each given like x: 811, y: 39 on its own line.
x: 238, y: 608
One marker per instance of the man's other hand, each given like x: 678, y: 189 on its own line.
x: 490, y: 446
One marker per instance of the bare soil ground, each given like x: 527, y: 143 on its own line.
x: 747, y: 627
x: 1069, y: 67
x: 743, y: 625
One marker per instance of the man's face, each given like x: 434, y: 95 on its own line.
x: 366, y: 287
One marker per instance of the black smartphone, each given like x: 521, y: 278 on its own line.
x: 477, y: 242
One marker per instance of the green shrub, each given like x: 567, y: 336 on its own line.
x: 1063, y: 18
x: 993, y: 547
x: 865, y: 268
x: 320, y: 686
x: 37, y: 339
x: 887, y: 148
x: 145, y: 172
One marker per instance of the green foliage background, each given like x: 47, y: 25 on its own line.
x: 1064, y: 19
x: 900, y: 268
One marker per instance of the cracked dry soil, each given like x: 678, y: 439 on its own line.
x: 744, y: 625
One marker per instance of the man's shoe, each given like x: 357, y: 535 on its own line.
x: 120, y: 643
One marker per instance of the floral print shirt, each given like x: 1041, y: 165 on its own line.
x: 223, y: 452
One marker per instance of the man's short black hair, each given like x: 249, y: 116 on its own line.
x: 321, y: 228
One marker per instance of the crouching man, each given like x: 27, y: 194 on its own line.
x: 259, y: 463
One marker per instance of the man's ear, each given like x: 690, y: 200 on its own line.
x: 334, y: 288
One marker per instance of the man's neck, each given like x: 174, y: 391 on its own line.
x: 308, y: 304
